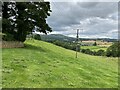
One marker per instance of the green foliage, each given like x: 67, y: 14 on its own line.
x: 114, y: 50
x: 72, y: 46
x: 37, y: 37
x: 94, y: 48
x: 86, y: 51
x: 44, y: 65
x: 100, y: 53
x: 95, y: 44
x: 25, y: 17
x: 67, y: 45
x: 8, y: 37
x: 96, y: 53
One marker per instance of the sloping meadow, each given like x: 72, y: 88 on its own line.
x: 43, y: 65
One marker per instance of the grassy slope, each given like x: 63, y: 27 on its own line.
x: 41, y: 64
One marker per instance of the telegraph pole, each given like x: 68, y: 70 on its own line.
x: 77, y: 39
x: 77, y: 42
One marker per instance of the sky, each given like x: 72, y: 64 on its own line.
x: 93, y: 19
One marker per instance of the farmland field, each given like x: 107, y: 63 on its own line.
x: 43, y: 65
x: 100, y: 45
x: 94, y: 48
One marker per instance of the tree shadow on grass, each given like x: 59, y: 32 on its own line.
x: 34, y: 48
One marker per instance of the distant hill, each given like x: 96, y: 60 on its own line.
x: 61, y: 37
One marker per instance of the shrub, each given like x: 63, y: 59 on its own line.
x: 100, y: 53
x: 8, y: 37
x: 87, y: 51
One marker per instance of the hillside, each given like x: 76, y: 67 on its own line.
x: 61, y: 37
x: 53, y: 37
x: 44, y: 65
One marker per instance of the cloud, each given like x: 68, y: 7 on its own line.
x: 96, y: 18
x: 88, y: 4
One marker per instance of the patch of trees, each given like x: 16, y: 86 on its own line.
x: 20, y: 19
x: 72, y: 46
x: 96, y: 53
x: 67, y: 45
x: 113, y: 50
x: 37, y: 36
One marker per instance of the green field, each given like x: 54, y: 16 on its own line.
x: 94, y: 48
x: 44, y: 65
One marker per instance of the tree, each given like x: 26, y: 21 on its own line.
x: 95, y: 44
x: 21, y: 18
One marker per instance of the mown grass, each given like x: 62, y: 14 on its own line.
x: 44, y: 65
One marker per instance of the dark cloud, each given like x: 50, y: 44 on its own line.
x: 87, y: 4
